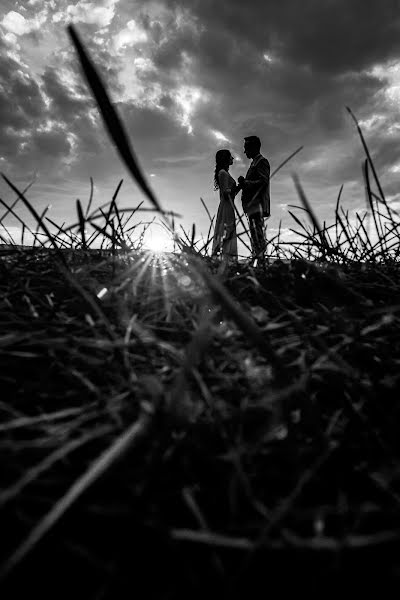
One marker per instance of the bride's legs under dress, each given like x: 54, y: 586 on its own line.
x: 225, y: 238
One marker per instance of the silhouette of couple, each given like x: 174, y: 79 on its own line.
x: 255, y: 201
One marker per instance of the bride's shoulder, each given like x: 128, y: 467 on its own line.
x: 223, y: 175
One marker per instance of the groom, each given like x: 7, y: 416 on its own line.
x: 255, y: 194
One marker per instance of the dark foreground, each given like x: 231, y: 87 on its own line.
x: 161, y: 442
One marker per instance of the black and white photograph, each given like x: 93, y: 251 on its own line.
x: 199, y: 299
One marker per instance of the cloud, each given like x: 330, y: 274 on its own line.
x: 20, y: 103
x: 43, y: 120
x: 131, y: 35
x: 51, y: 142
x: 333, y: 36
x: 159, y: 139
x: 12, y: 40
x: 100, y: 13
x: 219, y: 136
x: 18, y: 25
x: 61, y: 92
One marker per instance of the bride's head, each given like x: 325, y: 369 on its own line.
x: 223, y: 160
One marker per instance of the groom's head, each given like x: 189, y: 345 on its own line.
x: 252, y: 146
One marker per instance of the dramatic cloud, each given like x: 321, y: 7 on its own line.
x: 131, y: 35
x: 99, y: 13
x: 192, y: 76
x: 332, y: 35
x: 16, y: 23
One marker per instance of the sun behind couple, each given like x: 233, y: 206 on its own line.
x: 255, y: 188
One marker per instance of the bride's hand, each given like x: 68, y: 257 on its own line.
x: 240, y: 184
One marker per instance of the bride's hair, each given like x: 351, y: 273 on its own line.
x: 221, y: 162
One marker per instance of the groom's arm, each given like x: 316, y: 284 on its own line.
x: 263, y: 174
x: 255, y: 186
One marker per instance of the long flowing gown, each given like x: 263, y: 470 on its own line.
x: 225, y: 239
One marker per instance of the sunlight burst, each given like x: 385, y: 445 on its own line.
x: 158, y: 242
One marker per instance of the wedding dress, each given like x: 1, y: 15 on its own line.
x: 225, y: 239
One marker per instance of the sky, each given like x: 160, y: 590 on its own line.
x: 189, y: 77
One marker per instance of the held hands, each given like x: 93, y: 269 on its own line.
x: 240, y: 185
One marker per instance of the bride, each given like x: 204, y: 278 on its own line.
x: 225, y: 239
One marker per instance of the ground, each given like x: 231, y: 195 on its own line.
x: 170, y: 424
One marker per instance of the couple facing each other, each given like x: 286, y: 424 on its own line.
x: 255, y: 200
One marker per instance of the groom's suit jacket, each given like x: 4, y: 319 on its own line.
x: 256, y: 192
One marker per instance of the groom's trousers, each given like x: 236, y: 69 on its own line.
x: 258, y: 243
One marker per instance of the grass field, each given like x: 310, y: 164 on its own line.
x: 173, y: 427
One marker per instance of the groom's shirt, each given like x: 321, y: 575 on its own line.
x: 256, y: 192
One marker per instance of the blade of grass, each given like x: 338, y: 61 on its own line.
x: 307, y: 206
x: 206, y: 209
x: 41, y: 217
x: 111, y: 119
x: 337, y: 210
x: 37, y: 218
x: 369, y: 159
x: 14, y: 214
x: 368, y: 192
x: 124, y: 442
x: 16, y: 201
x: 90, y: 198
x: 81, y: 224
x: 246, y: 323
x: 285, y: 162
x: 192, y: 244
